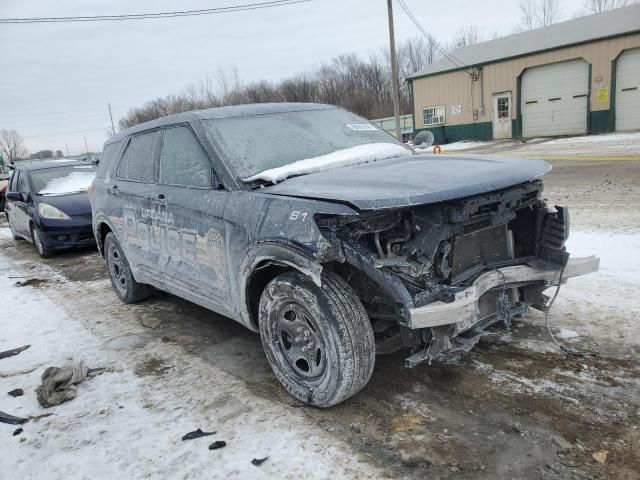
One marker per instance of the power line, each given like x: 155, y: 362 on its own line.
x: 457, y: 62
x: 147, y: 16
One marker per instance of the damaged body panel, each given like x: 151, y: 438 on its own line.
x: 403, y: 249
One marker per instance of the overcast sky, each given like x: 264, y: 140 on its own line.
x: 56, y: 79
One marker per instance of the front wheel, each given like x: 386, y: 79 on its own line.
x: 318, y: 340
x: 43, y: 251
x: 125, y: 286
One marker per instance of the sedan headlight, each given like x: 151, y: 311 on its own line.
x: 49, y: 211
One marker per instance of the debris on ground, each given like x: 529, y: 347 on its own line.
x: 17, y: 431
x: 259, y: 461
x: 565, y: 334
x: 196, y: 434
x: 59, y: 384
x: 11, y: 420
x: 15, y: 351
x: 601, y: 456
x: 217, y: 444
x: 31, y: 281
x: 17, y: 392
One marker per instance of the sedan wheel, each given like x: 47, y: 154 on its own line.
x: 43, y: 251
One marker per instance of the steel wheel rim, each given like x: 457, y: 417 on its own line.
x: 116, y: 269
x: 300, y: 341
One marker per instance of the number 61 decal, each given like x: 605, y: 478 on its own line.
x: 297, y: 215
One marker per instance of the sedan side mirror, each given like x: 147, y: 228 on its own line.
x: 15, y: 196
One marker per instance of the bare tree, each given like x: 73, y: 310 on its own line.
x: 600, y: 6
x: 538, y: 13
x: 362, y: 85
x: 12, y: 145
x: 465, y: 36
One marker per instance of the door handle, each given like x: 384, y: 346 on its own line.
x: 114, y: 190
x: 160, y: 199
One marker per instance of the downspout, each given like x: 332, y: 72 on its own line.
x: 480, y: 69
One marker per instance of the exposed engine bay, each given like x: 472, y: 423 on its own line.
x: 429, y: 255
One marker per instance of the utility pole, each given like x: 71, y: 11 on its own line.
x: 85, y: 145
x: 67, y: 145
x: 394, y: 71
x: 113, y: 129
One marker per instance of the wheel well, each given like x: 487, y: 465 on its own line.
x: 103, y: 229
x: 258, y: 281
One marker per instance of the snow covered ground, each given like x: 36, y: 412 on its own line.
x: 128, y: 421
x: 611, y: 145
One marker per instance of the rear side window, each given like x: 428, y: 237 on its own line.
x: 183, y: 161
x: 106, y: 160
x: 138, y: 160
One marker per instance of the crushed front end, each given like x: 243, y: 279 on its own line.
x: 434, y: 277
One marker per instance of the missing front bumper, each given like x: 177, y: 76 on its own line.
x: 464, y: 312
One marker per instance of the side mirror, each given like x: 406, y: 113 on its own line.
x: 15, y: 196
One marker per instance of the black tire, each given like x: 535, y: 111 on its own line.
x: 331, y: 323
x: 122, y: 281
x: 36, y: 238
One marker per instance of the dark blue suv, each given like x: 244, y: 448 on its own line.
x: 47, y: 204
x: 324, y: 233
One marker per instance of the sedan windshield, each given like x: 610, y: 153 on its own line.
x: 276, y: 146
x: 62, y: 180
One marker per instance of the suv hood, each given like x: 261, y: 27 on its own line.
x: 411, y: 180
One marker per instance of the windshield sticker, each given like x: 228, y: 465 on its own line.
x: 361, y: 126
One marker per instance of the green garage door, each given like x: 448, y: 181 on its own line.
x: 628, y: 91
x: 554, y: 99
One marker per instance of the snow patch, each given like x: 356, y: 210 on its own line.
x: 610, y: 137
x: 465, y: 145
x: 346, y: 157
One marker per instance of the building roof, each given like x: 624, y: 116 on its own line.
x: 220, y: 112
x: 617, y: 22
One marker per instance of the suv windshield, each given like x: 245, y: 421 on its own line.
x: 62, y: 180
x: 251, y: 145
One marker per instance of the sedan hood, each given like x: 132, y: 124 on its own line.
x: 412, y: 180
x: 73, y: 204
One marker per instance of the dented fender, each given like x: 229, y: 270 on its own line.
x: 273, y: 253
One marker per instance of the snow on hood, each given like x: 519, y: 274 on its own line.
x: 366, y: 153
x: 73, y: 182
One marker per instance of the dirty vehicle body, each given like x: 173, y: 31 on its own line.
x: 47, y: 204
x: 308, y: 224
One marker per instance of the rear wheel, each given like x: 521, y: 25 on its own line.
x: 43, y: 251
x: 13, y: 232
x: 318, y: 340
x: 122, y: 279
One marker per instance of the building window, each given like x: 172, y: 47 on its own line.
x: 503, y: 107
x: 433, y: 115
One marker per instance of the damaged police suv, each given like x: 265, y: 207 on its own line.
x: 336, y: 242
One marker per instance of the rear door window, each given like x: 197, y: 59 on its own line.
x: 183, y: 161
x: 138, y: 160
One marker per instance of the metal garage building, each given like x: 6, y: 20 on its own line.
x: 575, y: 77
